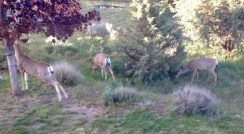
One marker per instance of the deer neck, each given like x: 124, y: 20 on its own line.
x: 17, y: 51
x: 186, y: 69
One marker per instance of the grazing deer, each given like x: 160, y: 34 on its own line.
x: 104, y: 62
x: 196, y: 65
x: 39, y: 69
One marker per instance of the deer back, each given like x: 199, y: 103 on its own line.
x: 202, y: 64
x: 99, y: 60
x: 32, y: 67
x: 35, y: 68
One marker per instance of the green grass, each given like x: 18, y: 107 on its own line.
x: 40, y: 119
x: 144, y: 121
x: 38, y: 111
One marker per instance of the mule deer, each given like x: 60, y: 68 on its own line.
x: 104, y: 62
x: 39, y: 69
x: 196, y: 65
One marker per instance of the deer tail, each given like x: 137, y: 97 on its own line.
x: 107, y: 61
x: 217, y: 63
x: 50, y: 71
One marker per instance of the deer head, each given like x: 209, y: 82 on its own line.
x: 182, y: 70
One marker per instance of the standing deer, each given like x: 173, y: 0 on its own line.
x: 196, y: 65
x: 104, y: 62
x: 39, y: 69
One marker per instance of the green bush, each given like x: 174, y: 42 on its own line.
x: 154, y: 45
x: 117, y: 65
x: 66, y: 50
x: 66, y: 73
x: 194, y: 100
x: 119, y: 95
x: 41, y: 57
x: 49, y: 49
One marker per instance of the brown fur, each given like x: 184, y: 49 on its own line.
x: 196, y: 65
x: 35, y: 68
x: 99, y: 62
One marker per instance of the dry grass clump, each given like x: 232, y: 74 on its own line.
x: 119, y: 95
x: 66, y: 73
x: 194, y: 100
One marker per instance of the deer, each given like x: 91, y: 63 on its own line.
x: 199, y: 64
x: 38, y: 69
x: 103, y: 62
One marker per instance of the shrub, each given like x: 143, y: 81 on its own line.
x: 119, y: 95
x: 42, y: 57
x: 194, y: 100
x: 66, y: 50
x: 154, y: 45
x: 118, y: 65
x: 66, y: 73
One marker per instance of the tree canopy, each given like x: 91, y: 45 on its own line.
x: 59, y: 18
x: 213, y: 21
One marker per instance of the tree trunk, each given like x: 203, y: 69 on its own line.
x: 9, y: 51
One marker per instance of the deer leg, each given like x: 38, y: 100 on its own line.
x: 215, y: 77
x: 58, y: 92
x: 106, y: 74
x: 193, y: 75
x: 26, y: 79
x: 56, y: 85
x: 22, y: 80
x: 197, y: 75
x: 209, y: 74
x: 111, y: 71
x: 102, y: 72
x: 93, y: 69
x: 62, y: 89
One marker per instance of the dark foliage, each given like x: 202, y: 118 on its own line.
x: 59, y: 18
x: 153, y: 47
